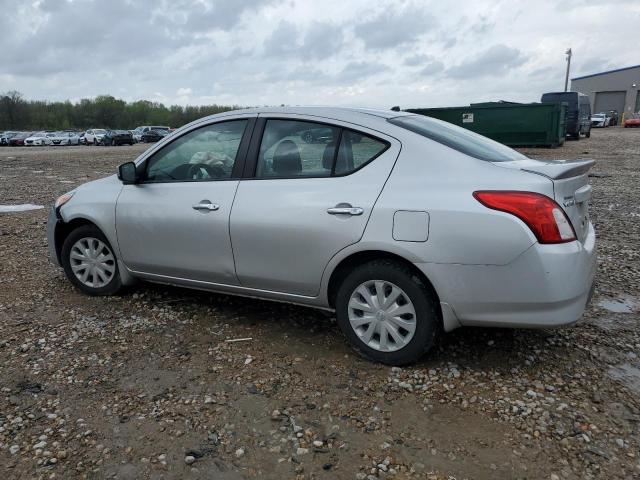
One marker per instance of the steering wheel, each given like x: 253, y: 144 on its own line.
x: 202, y: 171
x: 197, y: 171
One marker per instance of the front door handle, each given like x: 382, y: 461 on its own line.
x: 206, y: 205
x: 345, y: 209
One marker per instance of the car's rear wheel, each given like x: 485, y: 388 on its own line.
x: 89, y: 262
x: 387, y: 312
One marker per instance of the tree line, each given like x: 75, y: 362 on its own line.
x: 104, y: 111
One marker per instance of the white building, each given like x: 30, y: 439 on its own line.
x: 613, y: 90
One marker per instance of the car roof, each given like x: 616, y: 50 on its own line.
x: 337, y: 113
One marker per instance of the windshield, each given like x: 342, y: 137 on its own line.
x: 99, y: 131
x: 458, y: 138
x: 598, y: 115
x: 569, y: 97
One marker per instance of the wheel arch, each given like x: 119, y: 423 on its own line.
x: 63, y: 229
x: 356, y: 259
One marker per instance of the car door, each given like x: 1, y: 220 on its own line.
x: 175, y: 221
x: 310, y: 191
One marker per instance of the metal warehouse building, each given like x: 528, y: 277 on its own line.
x: 612, y: 90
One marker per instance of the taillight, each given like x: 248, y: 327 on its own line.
x: 543, y: 215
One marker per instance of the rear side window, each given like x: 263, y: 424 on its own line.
x: 458, y: 138
x: 356, y: 150
x: 293, y: 148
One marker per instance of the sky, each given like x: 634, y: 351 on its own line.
x: 381, y: 53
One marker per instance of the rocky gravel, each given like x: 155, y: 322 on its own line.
x: 162, y: 382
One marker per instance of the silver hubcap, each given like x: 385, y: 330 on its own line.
x: 382, y: 315
x: 92, y: 262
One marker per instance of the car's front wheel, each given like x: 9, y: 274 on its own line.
x: 89, y: 262
x: 387, y: 312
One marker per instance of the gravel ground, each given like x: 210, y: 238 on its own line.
x: 148, y: 385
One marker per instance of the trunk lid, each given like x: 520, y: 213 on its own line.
x: 571, y: 187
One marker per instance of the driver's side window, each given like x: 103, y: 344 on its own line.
x: 206, y: 154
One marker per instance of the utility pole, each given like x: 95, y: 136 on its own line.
x: 566, y: 78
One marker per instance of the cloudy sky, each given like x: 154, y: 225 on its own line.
x: 338, y: 52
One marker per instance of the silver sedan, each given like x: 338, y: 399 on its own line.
x: 403, y: 225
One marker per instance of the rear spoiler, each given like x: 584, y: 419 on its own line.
x: 559, y: 169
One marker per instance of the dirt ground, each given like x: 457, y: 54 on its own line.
x: 146, y: 385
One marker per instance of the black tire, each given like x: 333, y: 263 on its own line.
x: 89, y: 231
x: 428, y: 320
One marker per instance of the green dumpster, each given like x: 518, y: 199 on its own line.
x: 513, y: 124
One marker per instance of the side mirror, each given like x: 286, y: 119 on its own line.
x: 127, y: 173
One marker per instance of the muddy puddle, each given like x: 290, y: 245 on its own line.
x: 628, y: 375
x: 620, y: 305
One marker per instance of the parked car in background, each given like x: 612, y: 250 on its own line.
x: 600, y: 120
x: 419, y: 227
x: 18, y: 139
x: 117, y: 137
x: 632, y: 121
x: 6, y: 136
x: 39, y: 139
x: 578, y: 112
x: 65, y: 138
x: 81, y: 139
x: 137, y: 134
x: 317, y: 135
x: 139, y: 131
x: 94, y: 136
x: 154, y: 135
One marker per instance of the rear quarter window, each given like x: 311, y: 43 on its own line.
x: 356, y: 150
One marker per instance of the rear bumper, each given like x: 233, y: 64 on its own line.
x: 52, y: 224
x: 546, y: 286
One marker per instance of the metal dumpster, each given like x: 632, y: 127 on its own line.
x: 513, y: 124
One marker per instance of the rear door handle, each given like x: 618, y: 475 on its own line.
x: 206, y: 205
x: 345, y: 209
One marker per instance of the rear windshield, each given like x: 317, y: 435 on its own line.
x: 458, y: 138
x: 569, y: 97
